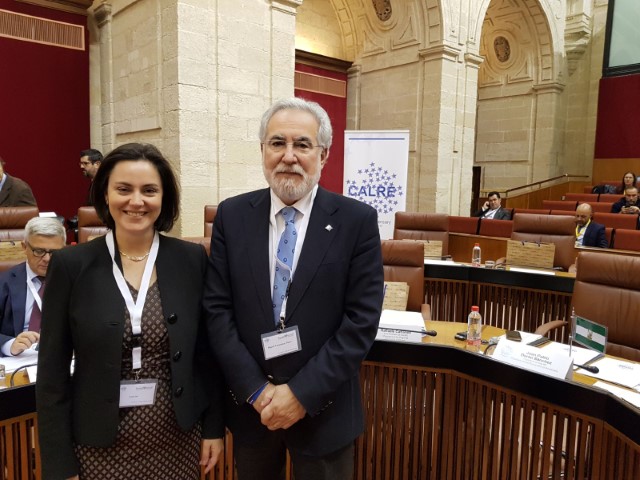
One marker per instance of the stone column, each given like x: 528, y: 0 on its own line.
x: 104, y: 21
x: 548, y: 156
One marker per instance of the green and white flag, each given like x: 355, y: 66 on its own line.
x: 590, y: 334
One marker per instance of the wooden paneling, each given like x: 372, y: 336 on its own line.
x: 605, y: 169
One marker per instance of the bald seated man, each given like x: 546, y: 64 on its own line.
x: 588, y: 232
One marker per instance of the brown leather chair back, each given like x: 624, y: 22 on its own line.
x: 13, y: 220
x: 204, y: 241
x: 496, y: 228
x: 422, y: 226
x: 467, y: 225
x: 616, y: 220
x: 403, y: 261
x: 560, y: 205
x: 209, y: 215
x: 556, y: 229
x: 89, y: 224
x: 607, y: 291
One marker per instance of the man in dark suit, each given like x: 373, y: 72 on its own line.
x: 20, y: 297
x: 492, y: 208
x: 588, y: 232
x: 13, y: 191
x: 292, y: 359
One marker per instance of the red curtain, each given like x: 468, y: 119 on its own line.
x: 336, y: 107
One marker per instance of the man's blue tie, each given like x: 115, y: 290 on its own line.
x: 284, y: 260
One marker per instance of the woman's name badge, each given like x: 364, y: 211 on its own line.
x: 138, y: 393
x: 281, y: 342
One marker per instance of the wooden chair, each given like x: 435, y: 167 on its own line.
x: 536, y: 211
x: 610, y: 197
x: 89, y: 224
x: 13, y: 221
x: 496, y: 228
x: 210, y: 212
x: 607, y: 291
x: 422, y: 226
x: 604, y: 207
x: 616, y: 220
x: 560, y: 204
x: 403, y: 261
x: 557, y: 229
x: 463, y: 224
x: 624, y: 239
x: 582, y: 197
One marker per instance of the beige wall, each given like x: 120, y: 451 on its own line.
x: 194, y: 77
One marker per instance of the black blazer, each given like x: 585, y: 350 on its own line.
x: 501, y: 214
x: 13, y: 298
x: 595, y: 236
x: 83, y: 312
x: 335, y: 300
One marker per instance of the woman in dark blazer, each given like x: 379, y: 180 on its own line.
x: 145, y: 389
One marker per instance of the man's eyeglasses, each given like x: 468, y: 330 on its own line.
x: 277, y: 145
x: 40, y: 252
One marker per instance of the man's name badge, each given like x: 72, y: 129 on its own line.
x: 138, y: 393
x: 282, y: 342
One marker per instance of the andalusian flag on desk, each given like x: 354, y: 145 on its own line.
x: 590, y: 334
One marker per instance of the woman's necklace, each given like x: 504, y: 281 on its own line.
x: 133, y: 258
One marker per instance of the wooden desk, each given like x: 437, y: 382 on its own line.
x: 436, y: 411
x: 507, y: 299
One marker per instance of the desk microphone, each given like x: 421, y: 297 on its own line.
x: 431, y: 333
x: 589, y: 368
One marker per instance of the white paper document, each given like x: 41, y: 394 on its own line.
x: 531, y: 270
x: 450, y: 263
x: 398, y: 320
x: 617, y: 371
x: 580, y: 355
x: 533, y: 359
x: 631, y: 397
x: 28, y: 357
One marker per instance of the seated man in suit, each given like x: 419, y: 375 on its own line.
x: 21, y: 287
x: 492, y: 208
x: 589, y: 233
x: 628, y: 204
x: 13, y: 191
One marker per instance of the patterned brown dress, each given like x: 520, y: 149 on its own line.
x: 150, y: 444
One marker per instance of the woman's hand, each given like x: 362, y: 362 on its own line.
x: 211, y: 450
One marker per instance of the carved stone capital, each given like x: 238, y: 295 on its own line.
x: 472, y: 60
x: 577, y: 36
x: 551, y: 87
x: 102, y: 13
x: 286, y: 6
x: 440, y: 52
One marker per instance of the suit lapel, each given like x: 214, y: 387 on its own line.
x: 18, y: 288
x: 317, y: 241
x: 6, y: 188
x: 256, y: 231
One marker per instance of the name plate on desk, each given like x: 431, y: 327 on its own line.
x: 534, y: 359
x: 394, y: 335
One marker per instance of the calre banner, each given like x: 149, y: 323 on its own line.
x: 375, y: 172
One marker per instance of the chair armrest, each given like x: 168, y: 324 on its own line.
x: 545, y: 328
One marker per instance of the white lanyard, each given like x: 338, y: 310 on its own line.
x: 34, y: 292
x: 134, y: 308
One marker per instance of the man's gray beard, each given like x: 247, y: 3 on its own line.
x: 292, y: 190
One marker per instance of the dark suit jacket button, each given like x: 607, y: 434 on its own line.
x: 177, y: 356
x: 173, y: 318
x: 178, y: 391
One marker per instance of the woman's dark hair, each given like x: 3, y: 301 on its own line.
x: 622, y: 187
x: 133, y: 152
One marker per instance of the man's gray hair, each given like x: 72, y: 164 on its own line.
x: 325, y: 132
x: 45, y: 226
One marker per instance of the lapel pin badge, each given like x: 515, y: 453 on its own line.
x: 328, y: 228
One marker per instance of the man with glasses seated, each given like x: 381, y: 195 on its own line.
x: 22, y: 287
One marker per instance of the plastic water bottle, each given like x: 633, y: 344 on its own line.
x: 474, y: 328
x: 476, y: 256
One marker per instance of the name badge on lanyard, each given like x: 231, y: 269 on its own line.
x: 134, y: 308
